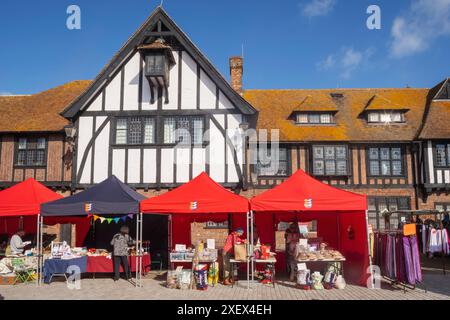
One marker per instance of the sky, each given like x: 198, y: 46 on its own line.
x: 287, y: 44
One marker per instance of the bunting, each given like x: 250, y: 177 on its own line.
x: 115, y: 220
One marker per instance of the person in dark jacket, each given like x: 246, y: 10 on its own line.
x: 120, y: 242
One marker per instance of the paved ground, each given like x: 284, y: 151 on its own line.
x: 438, y: 287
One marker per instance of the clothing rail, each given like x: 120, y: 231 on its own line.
x: 441, y: 225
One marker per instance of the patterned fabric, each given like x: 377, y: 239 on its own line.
x: 121, y: 243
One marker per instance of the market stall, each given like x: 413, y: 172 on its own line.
x: 111, y: 201
x: 22, y: 201
x: 341, y: 219
x: 201, y: 199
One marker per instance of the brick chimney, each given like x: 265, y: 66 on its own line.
x: 236, y: 71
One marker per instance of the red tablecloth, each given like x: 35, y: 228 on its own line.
x: 103, y: 264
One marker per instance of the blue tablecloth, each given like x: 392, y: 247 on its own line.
x: 53, y: 266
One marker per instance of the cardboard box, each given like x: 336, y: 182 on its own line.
x: 7, y: 280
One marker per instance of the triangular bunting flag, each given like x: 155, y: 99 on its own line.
x: 123, y: 218
x: 102, y: 219
x: 116, y: 220
x: 130, y: 216
x: 109, y: 220
x: 96, y: 217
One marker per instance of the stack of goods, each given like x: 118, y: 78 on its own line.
x: 61, y: 250
x: 265, y: 277
x: 184, y: 279
x: 213, y: 274
x: 201, y: 276
x: 92, y: 252
x: 307, y: 280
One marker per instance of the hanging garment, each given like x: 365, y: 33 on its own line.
x: 434, y: 244
x: 424, y: 239
x: 444, y: 241
x: 409, y: 265
x: 401, y: 274
x: 416, y: 259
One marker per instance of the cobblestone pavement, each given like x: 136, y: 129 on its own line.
x: 437, y: 285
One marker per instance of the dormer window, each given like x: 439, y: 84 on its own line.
x: 385, y: 117
x: 315, y: 118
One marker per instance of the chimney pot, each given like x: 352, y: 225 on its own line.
x: 236, y: 72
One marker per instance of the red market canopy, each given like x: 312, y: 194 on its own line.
x: 303, y: 193
x: 200, y: 195
x: 25, y: 198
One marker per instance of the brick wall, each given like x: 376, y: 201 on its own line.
x: 200, y: 232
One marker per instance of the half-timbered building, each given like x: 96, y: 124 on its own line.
x: 158, y: 114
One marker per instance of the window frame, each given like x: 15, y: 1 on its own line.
x: 379, y: 114
x: 447, y: 154
x: 191, y: 130
x: 377, y: 211
x: 288, y: 165
x: 347, y: 160
x: 446, y: 206
x: 379, y: 160
x: 319, y: 114
x: 142, y: 119
x: 33, y: 138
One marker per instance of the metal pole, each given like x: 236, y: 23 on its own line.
x: 137, y: 249
x: 141, y: 248
x: 369, y: 248
x: 248, y: 250
x: 37, y: 249
x: 252, y: 221
x: 41, y: 251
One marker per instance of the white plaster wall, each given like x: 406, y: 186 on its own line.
x: 101, y: 151
x: 118, y: 163
x: 131, y: 83
x: 188, y: 82
x: 134, y: 166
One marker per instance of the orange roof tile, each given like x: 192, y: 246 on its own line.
x: 38, y: 112
x: 275, y: 106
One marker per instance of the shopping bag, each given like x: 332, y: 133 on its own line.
x: 240, y: 252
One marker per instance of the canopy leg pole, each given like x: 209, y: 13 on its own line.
x: 137, y: 250
x: 37, y: 248
x: 141, y: 249
x: 369, y: 251
x: 248, y: 249
x: 41, y: 250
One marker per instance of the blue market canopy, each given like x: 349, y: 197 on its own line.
x: 111, y: 196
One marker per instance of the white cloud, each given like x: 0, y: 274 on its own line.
x: 416, y: 30
x: 315, y: 8
x: 328, y: 63
x: 346, y: 61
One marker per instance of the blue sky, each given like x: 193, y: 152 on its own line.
x: 287, y: 44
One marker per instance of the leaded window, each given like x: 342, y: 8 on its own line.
x: 443, y: 155
x: 378, y: 207
x: 385, y: 117
x: 31, y: 152
x: 315, y: 118
x: 135, y: 130
x: 386, y: 161
x: 272, y: 164
x: 183, y: 130
x: 330, y: 160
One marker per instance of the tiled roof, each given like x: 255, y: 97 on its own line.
x: 317, y: 102
x: 378, y: 102
x: 38, y: 112
x: 437, y: 121
x: 275, y: 107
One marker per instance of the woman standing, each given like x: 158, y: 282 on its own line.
x: 120, y: 242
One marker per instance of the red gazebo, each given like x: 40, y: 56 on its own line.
x: 336, y: 211
x: 201, y: 199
